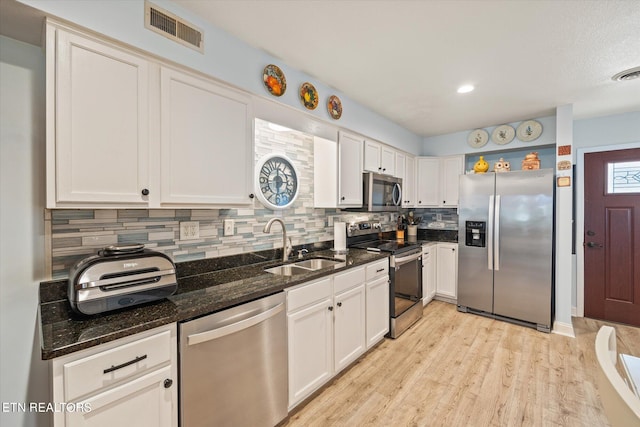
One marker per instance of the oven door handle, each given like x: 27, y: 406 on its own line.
x: 398, y: 261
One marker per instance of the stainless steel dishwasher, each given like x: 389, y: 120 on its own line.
x: 233, y: 366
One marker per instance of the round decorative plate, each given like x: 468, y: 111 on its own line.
x: 274, y: 80
x: 334, y: 106
x: 529, y: 130
x: 503, y: 134
x: 309, y: 96
x: 478, y: 138
x: 276, y: 181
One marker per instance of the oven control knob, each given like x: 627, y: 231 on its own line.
x: 168, y: 383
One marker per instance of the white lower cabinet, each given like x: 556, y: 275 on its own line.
x: 349, y: 327
x: 328, y: 323
x: 377, y: 274
x: 429, y: 257
x: 447, y: 270
x: 130, y: 381
x: 310, y: 331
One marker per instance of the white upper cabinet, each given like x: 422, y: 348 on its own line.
x: 125, y: 131
x: 452, y: 168
x: 206, y: 142
x: 379, y: 158
x: 409, y: 183
x: 428, y: 181
x: 349, y: 170
x: 438, y: 179
x: 97, y: 123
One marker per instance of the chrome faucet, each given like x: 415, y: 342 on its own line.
x: 287, y: 248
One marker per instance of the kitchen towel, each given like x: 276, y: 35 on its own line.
x: 339, y: 236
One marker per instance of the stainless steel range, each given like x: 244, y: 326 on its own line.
x: 405, y: 289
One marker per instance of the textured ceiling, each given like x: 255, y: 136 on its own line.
x: 405, y: 59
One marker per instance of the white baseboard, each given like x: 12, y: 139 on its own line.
x: 565, y: 329
x: 574, y: 310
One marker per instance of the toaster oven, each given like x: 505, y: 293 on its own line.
x: 118, y: 277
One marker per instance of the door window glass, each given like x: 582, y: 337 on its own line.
x: 623, y: 177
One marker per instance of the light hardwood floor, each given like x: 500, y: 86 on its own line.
x: 458, y: 369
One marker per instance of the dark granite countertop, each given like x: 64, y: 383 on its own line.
x: 204, y: 287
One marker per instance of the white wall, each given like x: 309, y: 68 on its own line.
x: 23, y: 375
x: 226, y: 58
x: 607, y: 130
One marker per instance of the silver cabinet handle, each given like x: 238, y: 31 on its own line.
x: 234, y: 327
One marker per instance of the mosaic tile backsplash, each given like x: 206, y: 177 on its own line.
x: 76, y: 234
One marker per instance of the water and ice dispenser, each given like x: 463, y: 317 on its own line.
x: 476, y: 233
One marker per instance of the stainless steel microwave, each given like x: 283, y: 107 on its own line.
x: 381, y: 193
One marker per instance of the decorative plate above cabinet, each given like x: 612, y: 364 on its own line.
x: 274, y: 80
x: 503, y: 134
x: 478, y: 138
x: 309, y: 96
x: 334, y: 106
x: 529, y: 131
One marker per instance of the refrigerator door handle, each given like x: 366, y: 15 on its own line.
x: 490, y: 235
x: 496, y: 246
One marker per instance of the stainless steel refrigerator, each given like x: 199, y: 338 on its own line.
x: 506, y: 228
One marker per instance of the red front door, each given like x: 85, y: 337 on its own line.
x: 612, y: 236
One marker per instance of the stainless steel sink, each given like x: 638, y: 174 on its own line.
x: 288, y: 270
x: 302, y: 267
x: 317, y: 263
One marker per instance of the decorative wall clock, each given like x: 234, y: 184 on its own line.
x: 276, y: 181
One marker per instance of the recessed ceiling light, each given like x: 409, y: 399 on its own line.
x: 630, y: 74
x: 465, y: 88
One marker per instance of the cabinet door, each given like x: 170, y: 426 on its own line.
x: 377, y: 310
x: 310, y: 333
x: 372, y: 154
x: 452, y: 168
x: 349, y: 329
x: 206, y: 142
x: 388, y: 160
x: 409, y: 183
x: 144, y: 402
x: 101, y: 115
x: 349, y: 171
x: 325, y: 173
x: 399, y: 171
x: 428, y: 181
x: 447, y: 270
x: 428, y: 275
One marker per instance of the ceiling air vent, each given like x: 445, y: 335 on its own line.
x: 630, y: 74
x: 173, y: 27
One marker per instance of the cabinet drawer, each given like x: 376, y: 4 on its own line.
x: 348, y: 279
x: 378, y: 269
x: 308, y: 294
x: 88, y: 374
